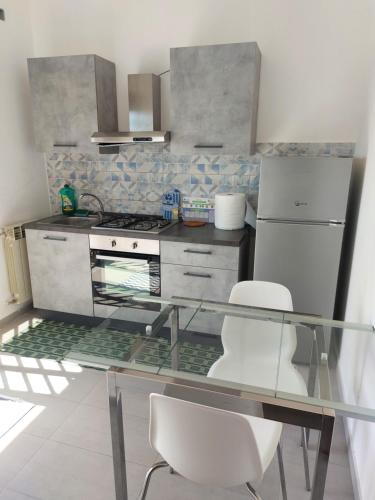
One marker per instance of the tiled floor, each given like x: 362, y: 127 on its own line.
x: 64, y: 452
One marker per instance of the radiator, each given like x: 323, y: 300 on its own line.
x: 17, y: 263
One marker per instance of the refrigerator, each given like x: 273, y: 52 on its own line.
x: 299, y: 232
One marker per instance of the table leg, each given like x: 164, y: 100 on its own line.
x: 174, y: 338
x: 117, y: 436
x: 324, y: 448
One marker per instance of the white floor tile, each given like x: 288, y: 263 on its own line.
x: 62, y: 472
x: 14, y: 495
x: 54, y: 412
x: 87, y: 428
x: 16, y: 454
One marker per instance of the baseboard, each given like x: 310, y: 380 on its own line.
x: 352, y: 460
x: 11, y: 317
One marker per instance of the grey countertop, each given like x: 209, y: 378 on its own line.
x: 207, y: 235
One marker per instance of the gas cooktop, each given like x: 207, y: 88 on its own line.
x: 136, y: 222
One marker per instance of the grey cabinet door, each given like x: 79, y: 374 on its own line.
x: 72, y: 97
x: 60, y: 271
x: 214, y: 98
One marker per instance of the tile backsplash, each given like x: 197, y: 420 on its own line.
x: 135, y: 179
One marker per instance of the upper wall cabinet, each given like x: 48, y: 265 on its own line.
x: 214, y: 98
x: 72, y: 97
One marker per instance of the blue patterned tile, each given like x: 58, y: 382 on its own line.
x: 134, y: 179
x: 176, y: 168
x: 235, y: 169
x: 176, y: 179
x: 149, y: 166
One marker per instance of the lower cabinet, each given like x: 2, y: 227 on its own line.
x: 215, y: 270
x: 60, y: 271
x: 197, y: 282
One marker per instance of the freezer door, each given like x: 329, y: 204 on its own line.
x: 303, y: 257
x: 313, y: 189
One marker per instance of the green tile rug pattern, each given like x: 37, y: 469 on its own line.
x: 55, y: 339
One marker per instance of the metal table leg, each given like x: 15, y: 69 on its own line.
x: 117, y: 436
x: 322, y: 457
x: 174, y: 338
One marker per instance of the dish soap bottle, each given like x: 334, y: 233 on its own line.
x: 68, y: 200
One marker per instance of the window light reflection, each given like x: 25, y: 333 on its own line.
x: 8, y: 360
x: 15, y: 381
x: 29, y: 362
x: 38, y: 383
x: 58, y: 384
x: 20, y: 426
x: 50, y: 364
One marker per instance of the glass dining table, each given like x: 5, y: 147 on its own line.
x: 224, y: 355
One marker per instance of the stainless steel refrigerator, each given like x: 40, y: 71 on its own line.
x: 300, y: 227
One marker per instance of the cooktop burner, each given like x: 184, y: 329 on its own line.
x: 135, y: 222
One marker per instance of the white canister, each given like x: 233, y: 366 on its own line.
x: 230, y: 211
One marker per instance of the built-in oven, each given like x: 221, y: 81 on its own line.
x: 121, y: 268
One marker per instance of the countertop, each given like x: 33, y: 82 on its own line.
x: 206, y: 235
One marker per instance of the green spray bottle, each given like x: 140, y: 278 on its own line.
x: 68, y: 200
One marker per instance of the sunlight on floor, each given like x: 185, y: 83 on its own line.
x: 20, y: 329
x: 19, y: 427
x: 38, y: 379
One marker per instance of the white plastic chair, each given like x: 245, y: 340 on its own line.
x: 211, y: 446
x: 252, y: 347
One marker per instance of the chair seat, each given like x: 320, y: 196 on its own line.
x: 267, y: 434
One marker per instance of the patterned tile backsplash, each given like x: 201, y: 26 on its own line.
x: 135, y: 179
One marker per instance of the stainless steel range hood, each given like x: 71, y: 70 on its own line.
x: 144, y: 115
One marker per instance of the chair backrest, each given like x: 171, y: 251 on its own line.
x: 257, y: 337
x: 206, y: 445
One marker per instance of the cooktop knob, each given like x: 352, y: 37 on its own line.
x: 135, y: 245
x: 113, y: 243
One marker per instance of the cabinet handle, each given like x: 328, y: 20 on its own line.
x: 65, y: 145
x: 55, y: 238
x: 198, y: 146
x: 201, y: 252
x: 198, y: 275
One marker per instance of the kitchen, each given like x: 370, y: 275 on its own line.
x: 225, y: 153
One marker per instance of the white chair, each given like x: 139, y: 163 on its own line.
x: 211, y: 446
x: 252, y: 347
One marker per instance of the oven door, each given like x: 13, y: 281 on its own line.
x: 118, y: 276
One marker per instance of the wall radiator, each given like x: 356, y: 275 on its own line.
x: 17, y: 263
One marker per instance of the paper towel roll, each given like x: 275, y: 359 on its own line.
x: 230, y: 211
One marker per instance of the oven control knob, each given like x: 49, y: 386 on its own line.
x: 135, y: 245
x: 113, y: 243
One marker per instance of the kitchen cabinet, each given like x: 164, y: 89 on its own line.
x: 202, y: 272
x: 214, y: 98
x: 72, y: 97
x: 60, y: 271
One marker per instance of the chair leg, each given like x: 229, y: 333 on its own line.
x: 253, y: 493
x: 282, y: 472
x: 307, y: 436
x: 305, y: 458
x: 146, y: 484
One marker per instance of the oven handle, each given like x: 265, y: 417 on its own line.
x: 109, y: 257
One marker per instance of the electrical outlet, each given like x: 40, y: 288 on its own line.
x: 2, y: 15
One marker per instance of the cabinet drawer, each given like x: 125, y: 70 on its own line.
x: 197, y: 282
x: 213, y: 256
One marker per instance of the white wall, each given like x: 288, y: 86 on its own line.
x: 23, y: 183
x: 314, y: 69
x: 357, y: 363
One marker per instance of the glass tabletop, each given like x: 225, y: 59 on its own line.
x: 281, y: 354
